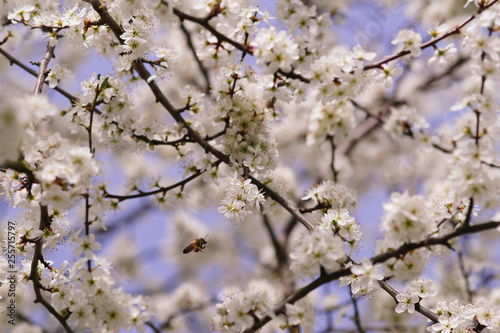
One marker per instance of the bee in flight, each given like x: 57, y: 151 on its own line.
x: 198, y: 245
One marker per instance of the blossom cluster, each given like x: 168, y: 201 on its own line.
x: 417, y: 290
x: 455, y: 316
x: 241, y: 101
x: 407, y: 218
x: 65, y: 170
x: 275, y: 50
x: 300, y: 314
x: 331, y: 194
x: 315, y: 250
x: 343, y: 224
x: 248, y: 139
x: 364, y: 277
x: 407, y: 121
x: 239, y: 198
x: 92, y: 297
x: 17, y: 128
x: 333, y: 120
x: 240, y: 308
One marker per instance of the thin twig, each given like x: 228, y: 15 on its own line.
x: 419, y: 308
x: 131, y: 217
x: 44, y: 215
x: 160, y: 190
x: 281, y: 257
x: 42, y: 74
x: 465, y: 275
x: 431, y: 42
x: 357, y: 319
x: 87, y: 227
x: 313, y: 209
x: 363, y: 130
x: 468, y: 215
x: 284, y: 203
x: 37, y: 286
x: 202, y: 68
x: 400, y: 252
x: 180, y: 312
x: 204, y: 23
x: 162, y: 99
x: 332, y: 163
x: 152, y: 326
x: 14, y: 61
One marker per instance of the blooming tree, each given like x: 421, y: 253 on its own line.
x: 259, y: 129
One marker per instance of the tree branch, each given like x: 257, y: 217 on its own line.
x: 42, y: 74
x: 37, y: 286
x: 14, y: 61
x: 400, y: 252
x: 152, y: 326
x: 284, y: 203
x: 160, y: 190
x: 443, y: 240
x: 465, y: 275
x: 357, y: 320
x: 162, y: 99
x: 202, y: 68
x: 44, y: 215
x: 204, y: 23
x: 419, y: 308
x: 335, y: 173
x: 431, y: 42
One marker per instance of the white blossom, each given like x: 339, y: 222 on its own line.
x: 239, y: 198
x: 315, y: 250
x: 408, y: 40
x: 406, y: 302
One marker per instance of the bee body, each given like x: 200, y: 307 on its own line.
x: 197, y: 246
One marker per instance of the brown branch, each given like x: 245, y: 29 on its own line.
x: 419, y: 308
x: 42, y: 74
x: 465, y: 275
x: 22, y: 317
x: 283, y: 202
x: 160, y: 190
x: 281, y: 257
x: 292, y: 75
x: 87, y: 227
x: 386, y: 329
x: 152, y: 326
x: 180, y: 312
x: 204, y: 23
x: 44, y: 214
x: 315, y: 208
x: 428, y: 84
x: 335, y: 173
x: 162, y: 99
x: 400, y: 252
x: 184, y: 139
x: 43, y: 27
x: 363, y: 130
x: 37, y: 286
x: 357, y: 320
x: 443, y: 240
x: 202, y: 68
x: 431, y: 42
x: 14, y: 61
